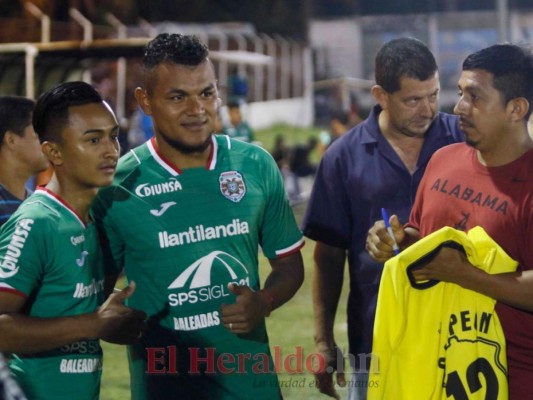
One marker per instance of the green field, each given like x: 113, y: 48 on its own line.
x: 289, y: 327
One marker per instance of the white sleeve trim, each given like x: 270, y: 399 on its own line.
x: 287, y: 250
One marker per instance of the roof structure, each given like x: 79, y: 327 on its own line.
x: 28, y: 69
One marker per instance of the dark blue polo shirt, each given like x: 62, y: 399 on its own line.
x: 8, y: 205
x: 358, y: 175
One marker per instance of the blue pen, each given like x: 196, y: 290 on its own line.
x: 385, y: 215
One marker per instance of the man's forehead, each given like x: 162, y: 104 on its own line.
x: 412, y: 85
x: 183, y: 75
x: 477, y: 77
x: 85, y: 112
x: 411, y: 80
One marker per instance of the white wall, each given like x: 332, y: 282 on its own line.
x: 340, y: 41
x: 296, y: 112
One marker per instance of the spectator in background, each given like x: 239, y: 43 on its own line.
x: 237, y: 87
x: 300, y: 161
x: 21, y: 156
x: 280, y: 152
x: 338, y: 125
x: 354, y: 116
x: 301, y: 166
x: 238, y: 128
x: 141, y: 128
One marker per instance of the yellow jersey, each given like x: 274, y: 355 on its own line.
x: 437, y: 340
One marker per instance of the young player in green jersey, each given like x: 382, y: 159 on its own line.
x: 51, y: 272
x: 185, y: 217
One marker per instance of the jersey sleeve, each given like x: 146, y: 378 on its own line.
x: 280, y: 234
x: 110, y: 240
x: 24, y: 245
x: 328, y: 213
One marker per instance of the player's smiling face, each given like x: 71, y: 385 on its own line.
x: 182, y: 101
x: 89, y: 147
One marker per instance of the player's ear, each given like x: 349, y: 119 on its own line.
x: 219, y: 102
x: 142, y: 99
x: 380, y: 95
x: 9, y: 138
x: 52, y: 152
x: 517, y: 108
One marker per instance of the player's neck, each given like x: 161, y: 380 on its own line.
x: 407, y: 148
x: 184, y: 160
x: 505, y: 153
x: 187, y: 161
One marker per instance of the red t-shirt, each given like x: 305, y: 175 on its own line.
x: 458, y: 191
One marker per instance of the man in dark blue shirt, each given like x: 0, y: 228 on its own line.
x: 20, y: 153
x: 379, y: 163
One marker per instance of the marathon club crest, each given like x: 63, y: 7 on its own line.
x: 232, y: 186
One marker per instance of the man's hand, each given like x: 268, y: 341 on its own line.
x: 247, y: 311
x: 378, y: 241
x: 449, y: 265
x: 120, y: 324
x: 334, y: 363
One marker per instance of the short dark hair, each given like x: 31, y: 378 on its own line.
x: 512, y: 68
x: 403, y: 57
x: 175, y: 48
x: 51, y: 110
x: 340, y: 116
x: 15, y: 115
x: 233, y: 104
x: 172, y: 48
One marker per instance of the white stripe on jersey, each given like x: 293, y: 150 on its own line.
x: 159, y: 160
x: 211, y: 162
x: 42, y: 204
x: 62, y: 204
x: 135, y: 155
x: 214, y: 154
x: 229, y: 142
x: 295, y: 246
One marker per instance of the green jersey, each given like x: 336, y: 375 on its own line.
x: 183, y: 236
x: 243, y: 132
x: 51, y: 258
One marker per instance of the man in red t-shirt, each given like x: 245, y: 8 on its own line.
x: 484, y: 182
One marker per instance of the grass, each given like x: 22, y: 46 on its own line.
x: 288, y: 327
x: 292, y: 134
